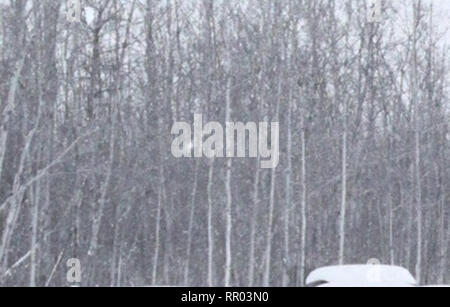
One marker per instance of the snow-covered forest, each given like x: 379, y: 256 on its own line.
x: 86, y: 112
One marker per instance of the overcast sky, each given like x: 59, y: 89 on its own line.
x: 441, y: 13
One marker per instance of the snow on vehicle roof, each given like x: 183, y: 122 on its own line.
x: 366, y: 285
x: 362, y: 275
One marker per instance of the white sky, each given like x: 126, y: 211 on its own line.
x: 441, y: 13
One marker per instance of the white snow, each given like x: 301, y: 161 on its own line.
x: 362, y: 276
x: 365, y: 285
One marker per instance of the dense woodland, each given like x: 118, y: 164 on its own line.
x: 87, y: 109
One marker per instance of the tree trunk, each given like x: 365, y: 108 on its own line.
x: 268, y: 253
x: 190, y: 227
x: 211, y: 281
x: 418, y: 194
x: 228, y: 208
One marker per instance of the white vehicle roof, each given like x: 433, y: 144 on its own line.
x: 361, y: 276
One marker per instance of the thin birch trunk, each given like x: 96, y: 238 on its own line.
x: 418, y: 194
x: 255, y: 197
x: 288, y: 188
x: 157, y: 229
x: 191, y: 226
x: 344, y: 192
x: 303, y: 207
x: 442, y: 236
x: 391, y: 231
x: 34, y: 233
x: 228, y: 208
x: 269, y: 234
x: 211, y: 282
x: 4, y: 131
x: 253, y: 224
